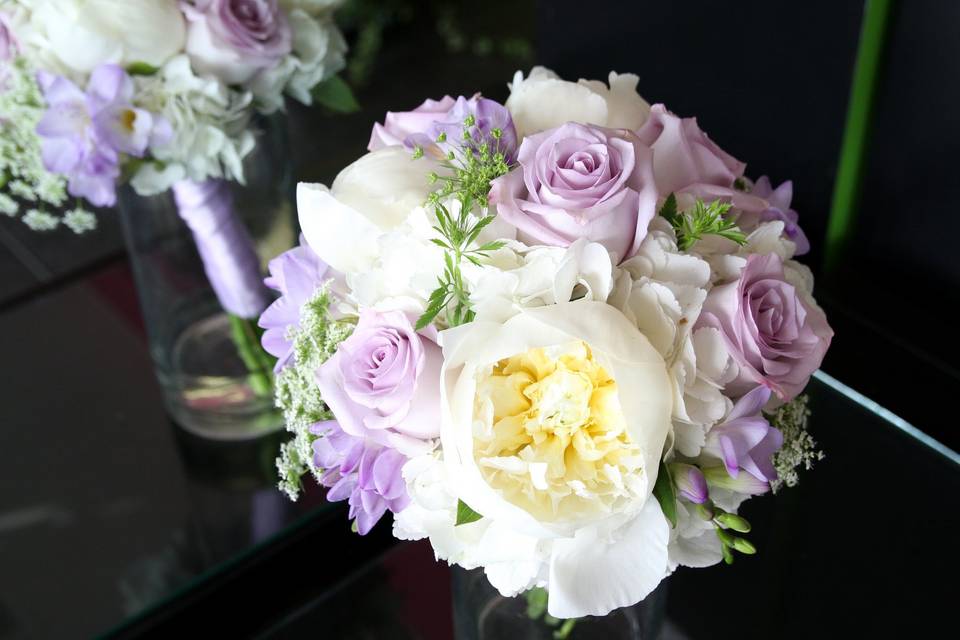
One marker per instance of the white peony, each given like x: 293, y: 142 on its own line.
x: 543, y: 101
x: 537, y: 437
x: 209, y: 124
x: 73, y: 37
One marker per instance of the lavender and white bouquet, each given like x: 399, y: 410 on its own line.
x: 157, y: 92
x: 564, y: 339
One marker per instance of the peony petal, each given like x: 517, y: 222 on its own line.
x: 589, y: 576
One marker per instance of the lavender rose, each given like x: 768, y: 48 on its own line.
x: 235, y: 39
x: 684, y: 158
x: 398, y: 125
x: 580, y: 181
x: 383, y: 383
x: 424, y: 126
x: 776, y: 334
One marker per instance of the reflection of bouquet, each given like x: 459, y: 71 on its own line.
x: 156, y: 91
x: 564, y: 343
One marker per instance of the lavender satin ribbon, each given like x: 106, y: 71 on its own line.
x: 225, y: 246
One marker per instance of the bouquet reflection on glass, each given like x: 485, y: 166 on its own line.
x: 181, y: 101
x: 563, y: 338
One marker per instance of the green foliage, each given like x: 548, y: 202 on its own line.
x: 335, y: 94
x: 465, y: 515
x: 705, y: 219
x: 467, y: 181
x: 141, y: 69
x: 665, y: 494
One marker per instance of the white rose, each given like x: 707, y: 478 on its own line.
x: 565, y: 505
x: 543, y: 101
x: 79, y: 35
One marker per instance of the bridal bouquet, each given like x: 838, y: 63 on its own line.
x: 563, y: 338
x: 157, y: 92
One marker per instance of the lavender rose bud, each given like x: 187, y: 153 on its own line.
x: 235, y: 39
x: 580, y: 181
x: 684, y: 158
x: 775, y: 333
x: 399, y: 125
x: 383, y: 383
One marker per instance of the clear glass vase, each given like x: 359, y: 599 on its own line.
x: 481, y: 613
x: 199, y: 253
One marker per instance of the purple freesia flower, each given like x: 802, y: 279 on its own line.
x: 690, y: 483
x: 8, y: 41
x: 366, y: 474
x: 745, y: 441
x: 296, y: 274
x: 83, y: 134
x: 779, y: 209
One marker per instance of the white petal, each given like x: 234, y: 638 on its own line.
x: 589, y: 576
x: 342, y: 237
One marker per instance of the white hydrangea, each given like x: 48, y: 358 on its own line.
x: 662, y: 290
x: 210, y: 124
x: 318, y: 52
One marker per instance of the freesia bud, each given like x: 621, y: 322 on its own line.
x: 743, y: 483
x: 733, y: 521
x: 690, y: 483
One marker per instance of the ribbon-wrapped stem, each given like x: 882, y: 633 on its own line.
x: 232, y: 267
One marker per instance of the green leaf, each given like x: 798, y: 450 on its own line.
x: 669, y: 208
x: 536, y: 602
x: 490, y: 246
x: 141, y: 69
x: 465, y: 514
x: 336, y: 95
x: 664, y: 492
x: 440, y: 243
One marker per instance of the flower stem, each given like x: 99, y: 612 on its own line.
x: 246, y: 335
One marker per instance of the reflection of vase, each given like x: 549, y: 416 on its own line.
x: 481, y: 613
x: 199, y: 254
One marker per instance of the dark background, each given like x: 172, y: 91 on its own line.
x: 769, y: 81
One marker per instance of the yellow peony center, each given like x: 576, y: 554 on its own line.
x: 551, y: 436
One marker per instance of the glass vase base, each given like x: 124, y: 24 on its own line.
x: 481, y: 613
x: 210, y: 392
